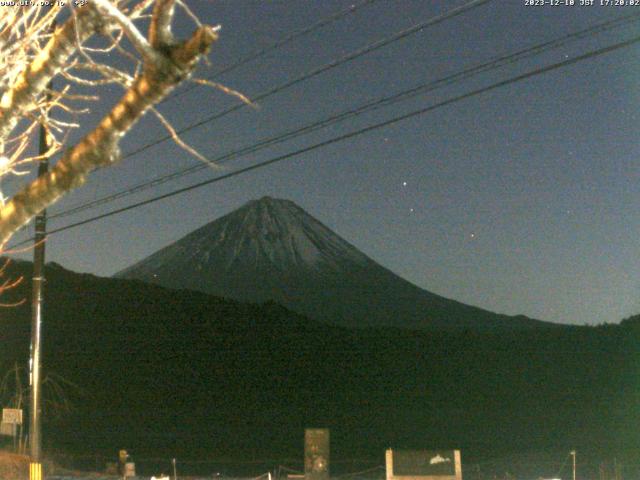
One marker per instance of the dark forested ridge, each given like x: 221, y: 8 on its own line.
x: 181, y: 372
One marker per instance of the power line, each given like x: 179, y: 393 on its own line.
x: 371, y: 47
x: 258, y: 53
x: 376, y: 126
x: 279, y: 43
x: 369, y: 106
x: 329, y: 66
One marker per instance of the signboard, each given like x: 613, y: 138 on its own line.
x: 9, y: 429
x: 12, y: 415
x: 316, y: 454
x: 423, y: 465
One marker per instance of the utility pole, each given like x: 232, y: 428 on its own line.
x: 36, y: 315
x: 35, y: 361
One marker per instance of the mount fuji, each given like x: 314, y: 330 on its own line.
x: 272, y: 250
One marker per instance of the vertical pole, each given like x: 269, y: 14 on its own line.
x: 573, y: 454
x: 36, y: 315
x: 35, y: 411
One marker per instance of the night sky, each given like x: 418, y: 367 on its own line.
x: 522, y: 200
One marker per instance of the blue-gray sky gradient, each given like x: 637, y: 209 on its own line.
x: 521, y: 200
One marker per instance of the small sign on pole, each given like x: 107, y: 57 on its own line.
x: 9, y: 429
x: 11, y: 418
x: 12, y: 415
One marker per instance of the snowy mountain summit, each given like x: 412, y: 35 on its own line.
x: 272, y: 234
x: 263, y: 236
x: 272, y: 250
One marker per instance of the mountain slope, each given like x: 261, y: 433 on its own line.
x: 168, y: 374
x: 271, y: 249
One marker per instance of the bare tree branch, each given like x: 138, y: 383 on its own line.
x: 140, y: 43
x: 18, y: 99
x: 101, y: 146
x: 165, y: 63
x: 160, y: 28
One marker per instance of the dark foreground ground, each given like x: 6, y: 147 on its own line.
x: 524, y: 466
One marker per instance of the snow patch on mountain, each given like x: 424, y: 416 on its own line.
x: 263, y: 234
